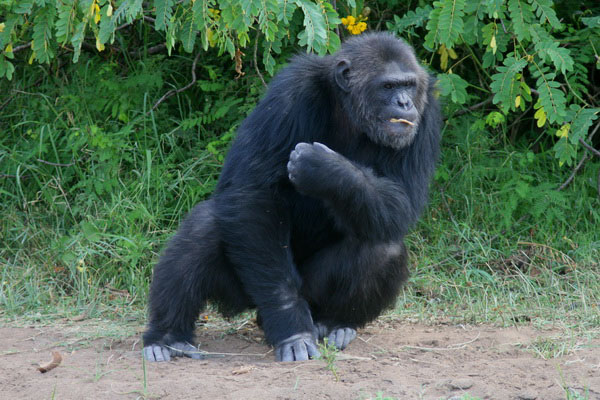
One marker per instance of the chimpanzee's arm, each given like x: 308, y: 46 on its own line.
x: 361, y: 201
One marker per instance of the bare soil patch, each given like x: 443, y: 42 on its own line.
x: 403, y: 361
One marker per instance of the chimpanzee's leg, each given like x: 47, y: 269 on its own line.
x: 192, y: 270
x: 350, y: 283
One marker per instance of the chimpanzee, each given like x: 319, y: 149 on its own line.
x: 306, y: 224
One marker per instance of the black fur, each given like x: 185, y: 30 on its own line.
x: 313, y: 240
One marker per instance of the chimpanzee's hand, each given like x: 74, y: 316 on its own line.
x: 313, y: 167
x: 299, y: 347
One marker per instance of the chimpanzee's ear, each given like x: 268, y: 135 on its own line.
x: 341, y: 75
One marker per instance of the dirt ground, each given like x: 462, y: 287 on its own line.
x: 403, y: 361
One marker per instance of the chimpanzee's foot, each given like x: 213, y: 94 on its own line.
x: 157, y: 353
x: 339, y: 336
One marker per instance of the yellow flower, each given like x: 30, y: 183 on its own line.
x: 344, y: 22
x: 353, y: 25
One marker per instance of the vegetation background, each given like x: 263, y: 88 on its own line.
x: 116, y: 115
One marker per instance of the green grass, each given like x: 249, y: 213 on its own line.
x: 498, y: 244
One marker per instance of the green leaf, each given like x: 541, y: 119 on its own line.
x: 286, y: 10
x: 451, y: 21
x: 548, y: 49
x: 592, y: 22
x: 551, y: 97
x: 201, y: 19
x: 164, y: 13
x: 77, y: 40
x: 505, y: 84
x: 412, y: 19
x: 188, y: 33
x: 495, y: 8
x: 544, y: 11
x: 133, y: 10
x: 454, y: 86
x: 6, y: 68
x: 9, y: 26
x: 433, y: 27
x: 269, y: 62
x: 521, y: 15
x: 494, y: 119
x: 107, y: 25
x: 67, y: 11
x: 314, y: 35
x: 23, y: 6
x: 565, y: 152
x: 560, y: 56
x: 42, y: 34
x: 581, y: 121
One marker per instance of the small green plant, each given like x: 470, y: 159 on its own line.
x: 381, y: 396
x: 571, y: 393
x: 145, y: 378
x: 329, y: 354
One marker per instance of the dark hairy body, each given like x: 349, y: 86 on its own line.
x: 322, y: 182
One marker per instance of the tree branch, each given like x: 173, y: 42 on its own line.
x: 577, y: 168
x: 589, y: 148
x: 21, y: 47
x: 583, y: 160
x: 255, y: 62
x: 175, y: 91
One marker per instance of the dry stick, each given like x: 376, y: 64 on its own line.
x: 55, y: 164
x: 175, y: 91
x: 255, y: 62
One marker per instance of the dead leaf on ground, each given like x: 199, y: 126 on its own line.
x: 244, y: 369
x: 55, y: 362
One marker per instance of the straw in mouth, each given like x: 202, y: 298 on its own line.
x: 404, y: 121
